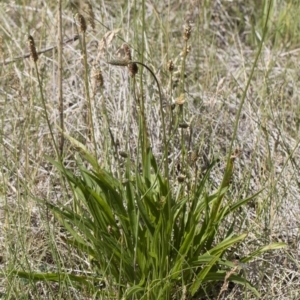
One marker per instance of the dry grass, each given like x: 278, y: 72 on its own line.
x: 217, y: 68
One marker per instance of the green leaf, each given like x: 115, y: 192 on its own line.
x: 203, y: 274
x: 274, y: 246
x: 185, y: 247
x: 56, y: 277
x: 82, y: 150
x: 225, y: 244
x: 221, y: 275
x: 240, y: 203
x: 134, y: 290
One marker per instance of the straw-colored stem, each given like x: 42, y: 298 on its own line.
x: 60, y: 87
x: 166, y: 166
x: 170, y: 107
x: 89, y: 118
x: 182, y: 83
x: 46, y: 111
x: 48, y: 49
x: 145, y: 139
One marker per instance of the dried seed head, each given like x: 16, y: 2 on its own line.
x: 185, y: 51
x: 91, y: 16
x: 82, y: 23
x: 133, y: 69
x: 32, y: 49
x: 97, y: 78
x: 170, y: 66
x: 123, y: 154
x: 181, y: 178
x: 187, y: 31
x: 180, y: 100
x: 127, y: 52
x: 126, y: 61
x: 194, y: 156
x: 183, y: 125
x: 188, y: 49
x: 119, y: 62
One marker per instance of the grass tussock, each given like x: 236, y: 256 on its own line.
x: 149, y: 150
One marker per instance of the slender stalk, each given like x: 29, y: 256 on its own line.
x: 230, y: 159
x: 166, y: 166
x: 60, y: 86
x: 89, y: 119
x: 182, y: 90
x: 126, y: 62
x: 51, y: 48
x: 248, y: 82
x: 145, y: 139
x: 46, y: 111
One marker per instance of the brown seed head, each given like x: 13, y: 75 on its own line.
x: 188, y: 49
x: 91, y: 16
x: 123, y: 154
x: 127, y: 52
x: 170, y: 66
x: 183, y: 125
x: 133, y: 69
x: 187, y: 31
x: 97, y: 78
x: 119, y: 62
x: 32, y: 49
x: 181, y: 178
x: 82, y: 23
x: 194, y: 156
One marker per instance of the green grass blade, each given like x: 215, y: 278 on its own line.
x: 274, y: 246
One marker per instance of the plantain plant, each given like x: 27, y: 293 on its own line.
x: 145, y: 234
x: 146, y: 239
